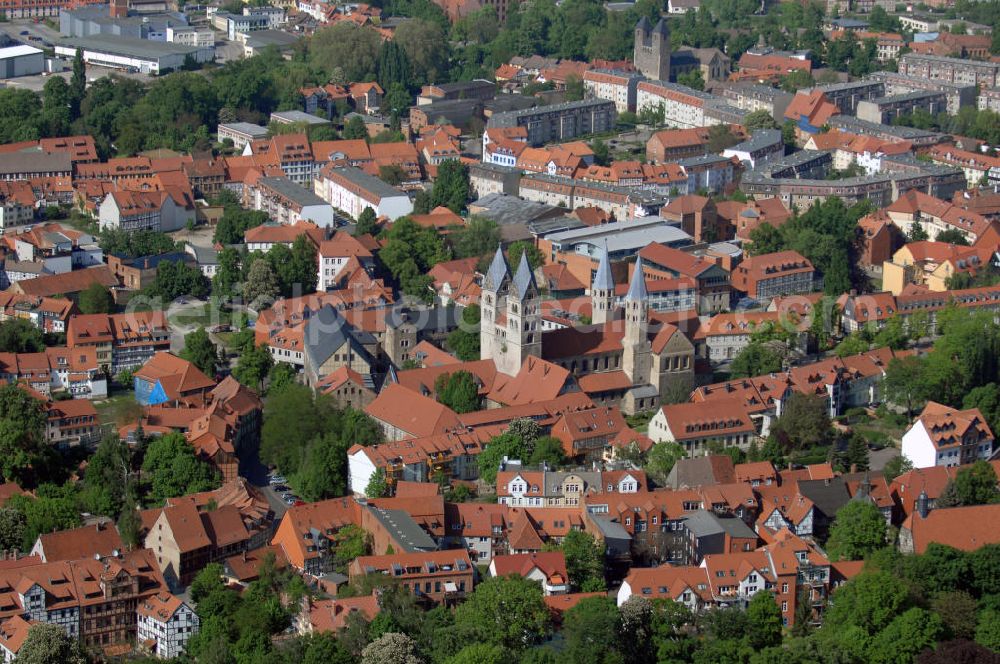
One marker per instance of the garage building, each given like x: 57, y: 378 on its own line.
x: 138, y: 55
x: 21, y: 61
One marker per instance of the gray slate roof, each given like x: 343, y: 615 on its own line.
x: 637, y: 289
x: 524, y: 279
x: 499, y: 270
x: 603, y: 279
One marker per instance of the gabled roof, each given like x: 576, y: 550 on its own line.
x: 964, y: 528
x: 498, y: 272
x: 82, y: 542
x: 411, y: 412
x: 177, y: 376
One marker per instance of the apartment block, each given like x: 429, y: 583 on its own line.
x: 560, y: 122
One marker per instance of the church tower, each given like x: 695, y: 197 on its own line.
x: 511, y: 315
x: 602, y: 291
x: 652, y: 49
x: 637, y: 359
x: 494, y: 293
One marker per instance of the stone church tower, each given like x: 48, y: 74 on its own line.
x: 510, y: 324
x: 602, y: 291
x: 637, y: 355
x: 652, y: 50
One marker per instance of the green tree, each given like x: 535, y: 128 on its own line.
x: 957, y: 609
x: 254, y: 364
x: 535, y: 256
x: 479, y: 653
x: 857, y: 452
x: 804, y: 422
x: 661, y: 460
x: 903, y: 384
x: 796, y: 80
x: 464, y: 340
x: 130, y: 524
x: 293, y: 417
x: 227, y: 274
x: 261, y: 284
x: 22, y: 433
x: 106, y: 476
x: 323, y: 474
x: 591, y: 630
x: 366, y: 220
x: 764, y: 620
x: 756, y: 359
x: 458, y: 391
x: 858, y: 530
x: 77, y: 84
x: 377, y: 485
x: 200, y: 350
x: 988, y: 629
x: 355, y: 128
x: 12, y: 525
x: 172, y: 469
x: 507, y: 612
x: 17, y: 335
x: 602, y: 154
x: 692, y: 79
x: 972, y: 485
x: 895, y: 467
x: 96, y: 299
x: 905, y: 637
x: 952, y: 236
x: 477, y: 238
x: 759, y: 120
x: 584, y: 561
x: 451, y: 187
x: 49, y: 644
x: 868, y: 602
x: 548, y: 450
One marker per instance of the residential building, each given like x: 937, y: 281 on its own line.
x: 286, y: 202
x: 950, y: 70
x: 48, y: 314
x: 100, y: 538
x: 548, y: 569
x: 617, y: 86
x: 560, y: 122
x: 712, y: 281
x: 352, y: 190
x: 697, y: 426
x: 763, y: 145
x: 132, y: 211
x: 307, y: 534
x: 765, y: 276
x: 957, y: 94
x: 122, y: 341
x: 185, y: 539
x: 334, y: 255
x: 166, y: 378
x: 883, y: 110
x: 964, y: 528
x: 165, y: 623
x: 943, y: 436
x: 241, y: 133
x: 439, y: 577
x: 94, y: 599
x: 72, y: 423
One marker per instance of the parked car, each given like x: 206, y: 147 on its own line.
x: 276, y: 479
x: 282, y: 489
x: 293, y: 500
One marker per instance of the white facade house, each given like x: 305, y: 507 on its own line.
x: 944, y: 436
x: 133, y: 211
x: 288, y: 203
x: 164, y: 625
x: 352, y: 190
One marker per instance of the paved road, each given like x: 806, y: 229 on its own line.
x: 878, y: 458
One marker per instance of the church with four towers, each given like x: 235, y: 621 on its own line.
x: 621, y: 358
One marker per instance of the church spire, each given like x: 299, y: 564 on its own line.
x: 524, y: 279
x: 637, y: 287
x: 603, y: 279
x: 499, y: 270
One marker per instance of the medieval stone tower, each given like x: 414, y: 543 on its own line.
x: 510, y: 324
x: 652, y: 49
x: 602, y: 291
x: 637, y: 355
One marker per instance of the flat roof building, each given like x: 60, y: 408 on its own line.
x: 135, y: 55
